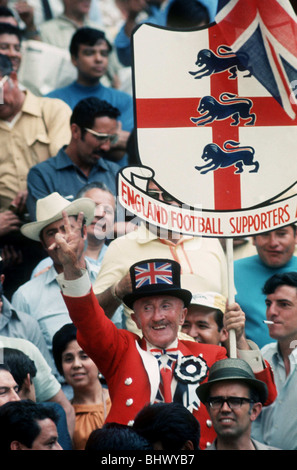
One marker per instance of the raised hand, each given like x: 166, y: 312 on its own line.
x: 68, y: 246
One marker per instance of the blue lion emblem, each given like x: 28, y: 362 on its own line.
x: 210, y: 63
x: 218, y: 158
x: 228, y: 106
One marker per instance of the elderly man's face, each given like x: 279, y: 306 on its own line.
x: 159, y: 318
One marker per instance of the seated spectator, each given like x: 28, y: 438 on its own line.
x: 32, y: 129
x: 94, y: 128
x: 90, y: 400
x: 90, y: 54
x: 99, y: 231
x: 23, y: 370
x: 8, y: 386
x: 41, y: 129
x: 60, y: 30
x: 10, y: 43
x: 116, y: 437
x: 168, y: 426
x: 40, y: 297
x: 28, y: 426
x: 234, y: 399
x: 46, y: 386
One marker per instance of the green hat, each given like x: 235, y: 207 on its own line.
x: 232, y: 369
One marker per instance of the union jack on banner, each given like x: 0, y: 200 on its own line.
x: 153, y: 273
x: 266, y: 33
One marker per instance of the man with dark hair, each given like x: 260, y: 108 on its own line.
x: 275, y: 254
x: 23, y: 370
x: 8, y: 386
x: 10, y: 43
x: 25, y: 425
x: 116, y: 437
x: 168, y: 426
x: 281, y: 312
x: 90, y: 51
x: 94, y: 130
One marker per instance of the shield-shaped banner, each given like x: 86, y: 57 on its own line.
x: 213, y: 136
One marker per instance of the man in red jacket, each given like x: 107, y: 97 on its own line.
x: 136, y: 369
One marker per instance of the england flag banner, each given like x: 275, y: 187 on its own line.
x: 210, y: 132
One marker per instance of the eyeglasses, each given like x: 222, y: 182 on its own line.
x: 101, y: 137
x: 234, y: 403
x: 156, y: 195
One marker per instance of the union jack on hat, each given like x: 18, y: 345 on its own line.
x: 156, y: 277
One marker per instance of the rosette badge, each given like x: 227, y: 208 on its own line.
x: 190, y: 369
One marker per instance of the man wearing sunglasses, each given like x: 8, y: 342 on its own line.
x: 234, y: 399
x: 94, y: 131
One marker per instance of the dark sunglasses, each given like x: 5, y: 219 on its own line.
x: 155, y: 194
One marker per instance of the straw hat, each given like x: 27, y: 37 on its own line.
x: 49, y: 209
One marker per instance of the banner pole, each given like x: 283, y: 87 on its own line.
x: 231, y: 293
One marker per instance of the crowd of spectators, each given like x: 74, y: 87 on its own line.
x: 71, y: 349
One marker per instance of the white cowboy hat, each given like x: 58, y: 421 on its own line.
x: 49, y: 209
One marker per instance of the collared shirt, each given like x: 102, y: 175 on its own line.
x: 202, y: 260
x: 39, y: 131
x: 60, y: 174
x: 277, y: 424
x: 41, y: 298
x: 18, y: 324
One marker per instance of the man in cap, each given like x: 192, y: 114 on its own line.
x: 40, y: 297
x: 234, y: 399
x: 204, y: 321
x: 136, y: 369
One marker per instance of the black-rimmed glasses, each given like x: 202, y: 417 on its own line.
x: 234, y: 403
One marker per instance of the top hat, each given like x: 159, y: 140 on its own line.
x: 49, y: 209
x: 156, y: 277
x: 212, y: 300
x: 232, y: 369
